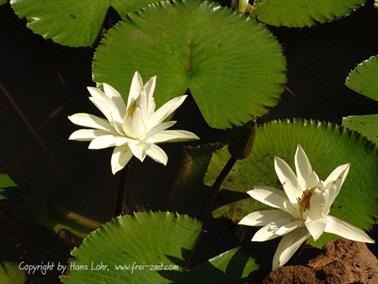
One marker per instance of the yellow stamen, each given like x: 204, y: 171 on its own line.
x: 132, y: 108
x: 304, y: 201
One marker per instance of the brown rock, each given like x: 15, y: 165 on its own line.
x: 344, y: 262
x: 292, y: 274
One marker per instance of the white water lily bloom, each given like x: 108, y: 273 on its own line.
x: 301, y: 209
x: 133, y: 129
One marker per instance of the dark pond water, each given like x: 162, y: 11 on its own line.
x: 42, y: 82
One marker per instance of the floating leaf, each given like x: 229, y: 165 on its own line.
x: 232, y: 266
x: 302, y: 13
x: 124, y: 7
x: 327, y: 147
x: 7, y: 186
x: 11, y: 274
x: 367, y: 125
x: 234, y: 67
x: 71, y: 22
x: 146, y: 248
x: 363, y: 79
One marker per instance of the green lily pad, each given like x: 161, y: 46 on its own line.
x: 302, y: 13
x: 363, y: 79
x: 149, y: 248
x: 7, y: 185
x: 234, y: 67
x: 71, y: 22
x: 327, y: 147
x: 232, y: 266
x: 367, y: 125
x: 11, y: 274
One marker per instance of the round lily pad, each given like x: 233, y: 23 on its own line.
x: 232, y: 65
x: 302, y: 13
x: 151, y: 248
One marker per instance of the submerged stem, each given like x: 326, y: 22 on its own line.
x: 121, y: 207
x: 217, y: 187
x: 240, y: 149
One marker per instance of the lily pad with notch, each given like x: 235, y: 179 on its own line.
x: 234, y: 67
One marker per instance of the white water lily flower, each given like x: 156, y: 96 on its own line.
x: 302, y: 208
x: 133, y: 129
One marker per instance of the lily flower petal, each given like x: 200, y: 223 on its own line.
x: 120, y: 157
x: 266, y: 233
x: 87, y: 134
x: 263, y: 217
x: 345, y: 230
x: 316, y: 228
x: 117, y: 99
x: 172, y: 136
x: 166, y: 110
x: 106, y: 141
x: 289, y: 227
x: 139, y: 150
x: 135, y: 89
x: 272, y: 197
x: 159, y: 128
x: 157, y: 154
x: 149, y: 88
x: 91, y: 121
x: 317, y: 205
x: 133, y: 124
x: 288, y: 245
x: 288, y: 180
x: 335, y: 181
x: 305, y: 175
x: 105, y: 105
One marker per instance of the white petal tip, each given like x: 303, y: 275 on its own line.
x: 115, y: 171
x: 243, y: 222
x: 255, y: 239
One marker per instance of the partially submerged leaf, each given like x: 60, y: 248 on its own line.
x: 230, y: 267
x: 363, y: 79
x: 234, y: 67
x: 7, y: 186
x: 327, y: 147
x: 70, y: 226
x: 151, y: 248
x: 367, y: 125
x: 302, y: 13
x: 11, y: 274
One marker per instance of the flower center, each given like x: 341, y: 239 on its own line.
x: 132, y: 109
x: 304, y: 201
